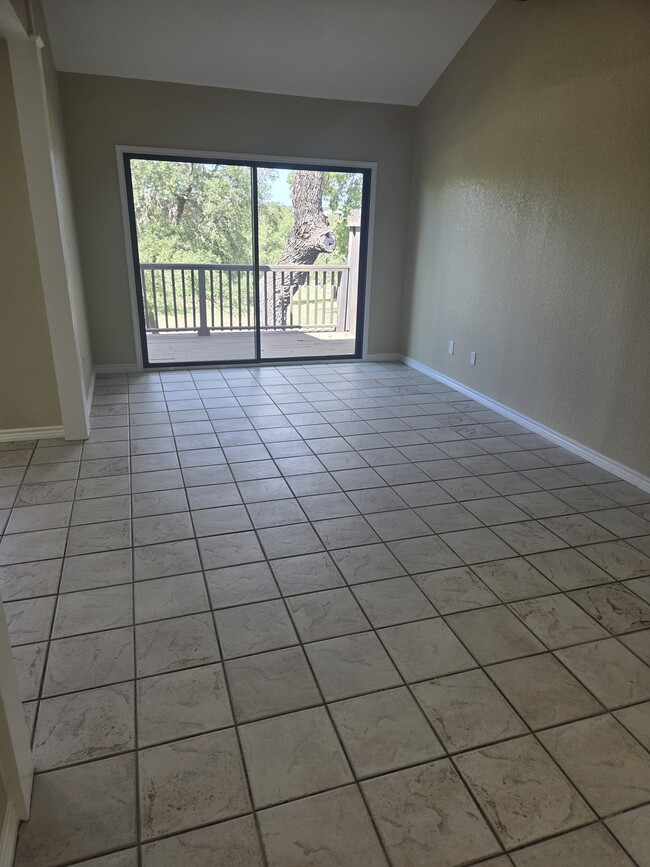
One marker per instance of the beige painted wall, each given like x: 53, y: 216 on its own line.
x: 101, y: 112
x: 531, y: 219
x: 28, y: 391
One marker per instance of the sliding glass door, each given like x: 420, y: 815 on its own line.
x: 240, y: 261
x: 309, y: 271
x: 194, y: 245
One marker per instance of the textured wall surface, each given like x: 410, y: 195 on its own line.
x: 101, y: 112
x: 530, y: 230
x: 28, y: 392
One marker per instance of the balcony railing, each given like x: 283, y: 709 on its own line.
x: 206, y: 298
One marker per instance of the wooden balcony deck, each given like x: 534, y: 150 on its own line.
x: 186, y: 348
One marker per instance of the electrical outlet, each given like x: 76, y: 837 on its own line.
x: 451, y: 347
x: 472, y: 358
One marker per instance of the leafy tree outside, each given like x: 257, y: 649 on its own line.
x: 201, y: 213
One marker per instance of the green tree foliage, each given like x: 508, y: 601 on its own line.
x: 201, y: 212
x: 192, y: 212
x: 341, y: 195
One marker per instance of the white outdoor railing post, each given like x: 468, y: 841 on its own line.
x: 350, y: 314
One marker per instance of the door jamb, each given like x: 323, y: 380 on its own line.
x: 120, y: 150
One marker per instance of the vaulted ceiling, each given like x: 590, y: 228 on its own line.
x: 388, y: 51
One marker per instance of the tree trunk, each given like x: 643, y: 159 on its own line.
x: 310, y: 235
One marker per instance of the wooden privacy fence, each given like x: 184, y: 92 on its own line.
x: 206, y: 298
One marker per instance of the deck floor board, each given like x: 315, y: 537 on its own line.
x: 186, y: 348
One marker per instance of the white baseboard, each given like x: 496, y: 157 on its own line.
x: 8, y: 836
x: 18, y: 434
x: 582, y: 451
x: 104, y: 369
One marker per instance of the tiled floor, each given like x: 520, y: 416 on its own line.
x: 327, y: 615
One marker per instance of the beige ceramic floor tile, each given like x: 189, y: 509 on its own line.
x: 90, y: 571
x: 477, y: 546
x: 619, y: 559
x: 636, y: 719
x: 367, y: 563
x: 351, y: 665
x: 182, y: 703
x: 254, y: 628
x: 557, y: 621
x: 610, y: 671
x: 271, y: 683
x: 466, y: 710
x: 182, y: 642
x: 347, y: 473
x: 86, y: 661
x: 453, y: 590
x: 306, y: 573
x: 632, y: 830
x: 79, y: 812
x: 396, y: 600
x: 617, y: 608
x: 591, y: 845
x: 331, y: 829
x: 233, y: 842
x: 29, y: 620
x: 513, y: 579
x: 326, y: 614
x: 125, y: 858
x: 426, y: 648
x: 384, y: 731
x: 29, y: 660
x: 494, y: 634
x: 524, y: 794
x: 569, y: 569
x: 191, y: 782
x: 424, y: 554
x: 402, y: 805
x: 577, y: 529
x: 292, y: 756
x: 84, y: 725
x: 604, y: 761
x: 93, y: 610
x: 173, y: 596
x: 543, y: 691
x: 237, y: 585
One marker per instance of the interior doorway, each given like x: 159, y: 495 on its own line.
x: 239, y: 261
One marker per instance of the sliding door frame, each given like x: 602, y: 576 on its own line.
x: 254, y: 162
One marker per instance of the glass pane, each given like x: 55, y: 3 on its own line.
x: 195, y: 245
x: 309, y: 236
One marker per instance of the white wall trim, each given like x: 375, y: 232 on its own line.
x: 18, y: 434
x: 16, y: 761
x: 369, y: 253
x: 36, y: 138
x: 582, y: 451
x: 130, y: 266
x: 8, y: 836
x: 108, y: 369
